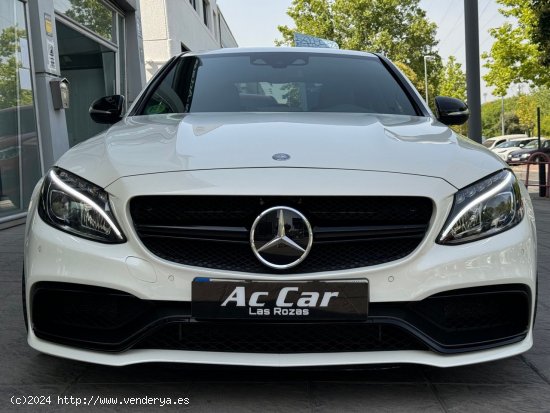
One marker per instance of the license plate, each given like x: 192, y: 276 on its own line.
x: 289, y: 300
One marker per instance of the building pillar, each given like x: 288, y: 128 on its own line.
x: 52, y: 125
x: 135, y: 60
x: 471, y: 23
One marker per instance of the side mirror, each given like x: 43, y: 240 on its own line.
x: 521, y: 145
x: 107, y: 109
x: 451, y: 111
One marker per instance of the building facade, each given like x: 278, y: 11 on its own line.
x: 174, y: 26
x: 56, y: 57
x: 88, y: 49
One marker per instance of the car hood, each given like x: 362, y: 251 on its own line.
x: 205, y: 141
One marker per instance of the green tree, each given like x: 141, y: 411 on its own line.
x: 520, y: 114
x: 511, y: 124
x: 94, y: 15
x: 491, y: 113
x: 452, y: 80
x: 514, y: 57
x: 397, y: 28
x: 490, y: 118
x: 543, y: 101
x: 10, y: 93
x: 527, y: 113
x: 313, y: 17
x: 415, y: 80
x: 418, y: 82
x: 541, y: 30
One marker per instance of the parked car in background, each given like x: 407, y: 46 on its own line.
x: 524, y: 154
x: 497, y: 140
x: 505, y: 148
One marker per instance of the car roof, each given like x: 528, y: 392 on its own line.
x: 311, y: 50
x: 508, y: 137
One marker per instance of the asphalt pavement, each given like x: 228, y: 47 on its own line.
x: 518, y: 384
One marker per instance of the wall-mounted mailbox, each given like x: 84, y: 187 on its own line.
x: 60, y: 93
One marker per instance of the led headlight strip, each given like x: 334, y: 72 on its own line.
x: 77, y: 202
x: 501, y: 183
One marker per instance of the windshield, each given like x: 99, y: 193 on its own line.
x: 534, y: 144
x: 279, y: 82
x: 511, y: 144
x: 488, y: 143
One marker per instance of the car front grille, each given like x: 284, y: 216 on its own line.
x: 213, y: 231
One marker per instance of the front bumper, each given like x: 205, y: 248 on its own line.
x: 507, y: 260
x: 280, y: 360
x: 456, y: 321
x: 420, y: 337
x: 502, y: 156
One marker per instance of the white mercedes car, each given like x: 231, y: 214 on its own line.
x: 280, y: 207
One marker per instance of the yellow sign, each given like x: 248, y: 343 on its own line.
x: 48, y: 26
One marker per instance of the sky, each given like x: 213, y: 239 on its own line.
x: 254, y: 23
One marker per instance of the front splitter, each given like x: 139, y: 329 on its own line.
x: 281, y: 360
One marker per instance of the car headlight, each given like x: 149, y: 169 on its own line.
x: 485, y: 208
x: 79, y: 207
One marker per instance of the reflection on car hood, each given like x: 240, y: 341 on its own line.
x: 163, y: 143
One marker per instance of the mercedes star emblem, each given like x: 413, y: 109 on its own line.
x: 281, y: 237
x: 281, y: 157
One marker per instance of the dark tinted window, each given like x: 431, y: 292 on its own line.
x: 279, y: 82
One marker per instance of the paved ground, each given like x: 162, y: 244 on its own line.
x: 517, y: 384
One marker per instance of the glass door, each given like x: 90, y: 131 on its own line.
x: 91, y: 43
x: 20, y: 166
x: 90, y: 67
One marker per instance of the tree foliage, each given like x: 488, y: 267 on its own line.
x: 491, y: 118
x: 453, y: 80
x: 541, y: 30
x: 93, y: 14
x: 520, y: 114
x: 527, y: 113
x: 397, y: 28
x: 514, y: 57
x: 10, y: 93
x: 415, y: 80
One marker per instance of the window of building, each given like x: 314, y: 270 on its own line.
x: 205, y: 12
x: 193, y: 3
x: 216, y: 26
x: 19, y: 153
x: 92, y: 14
